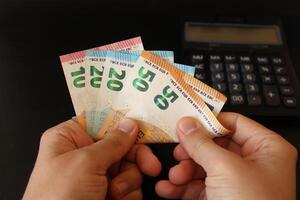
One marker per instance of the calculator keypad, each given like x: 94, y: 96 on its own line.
x: 218, y: 77
x: 232, y: 67
x: 246, y: 79
x: 271, y: 95
x: 254, y: 100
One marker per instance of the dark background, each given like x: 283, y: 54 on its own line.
x: 33, y: 91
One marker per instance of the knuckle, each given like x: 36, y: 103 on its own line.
x: 60, y: 129
x: 273, y: 138
x: 46, y: 136
x: 133, y: 179
x: 292, y: 151
x: 84, y: 156
x: 282, y: 145
x: 116, y: 192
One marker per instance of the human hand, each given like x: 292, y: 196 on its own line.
x: 255, y: 163
x: 70, y: 165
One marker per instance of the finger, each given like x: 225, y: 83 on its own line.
x: 192, y: 190
x: 147, y: 162
x: 186, y: 171
x: 129, y: 180
x: 135, y: 195
x: 243, y: 127
x: 63, y: 138
x: 115, y: 144
x: 198, y: 143
x: 180, y: 154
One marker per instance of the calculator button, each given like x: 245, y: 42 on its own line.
x: 215, y: 58
x: 262, y: 60
x: 249, y: 78
x: 233, y: 77
x: 264, y: 69
x: 216, y: 67
x: 245, y: 59
x: 267, y: 79
x: 286, y: 90
x: 277, y: 61
x: 254, y: 100
x: 237, y: 99
x: 247, y: 68
x: 289, y: 101
x: 197, y: 58
x: 217, y: 77
x: 199, y: 67
x: 251, y: 88
x: 283, y: 80
x: 279, y: 70
x: 230, y: 59
x: 221, y: 87
x: 200, y: 76
x: 271, y: 95
x: 232, y: 67
x: 235, y: 87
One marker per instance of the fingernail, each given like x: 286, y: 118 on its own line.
x: 122, y: 187
x: 126, y: 125
x: 74, y: 118
x: 187, y: 125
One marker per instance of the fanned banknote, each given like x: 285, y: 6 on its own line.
x: 120, y: 80
x: 116, y: 67
x: 157, y: 96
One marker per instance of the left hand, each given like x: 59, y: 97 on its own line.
x: 70, y: 165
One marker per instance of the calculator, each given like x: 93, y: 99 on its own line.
x: 247, y: 62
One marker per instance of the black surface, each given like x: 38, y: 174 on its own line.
x: 33, y: 92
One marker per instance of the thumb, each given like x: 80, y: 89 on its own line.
x: 199, y: 144
x: 115, y: 144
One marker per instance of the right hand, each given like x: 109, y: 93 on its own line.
x: 255, y: 163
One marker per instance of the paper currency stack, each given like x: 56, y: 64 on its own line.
x: 122, y: 79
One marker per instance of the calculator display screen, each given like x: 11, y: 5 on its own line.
x: 233, y: 34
